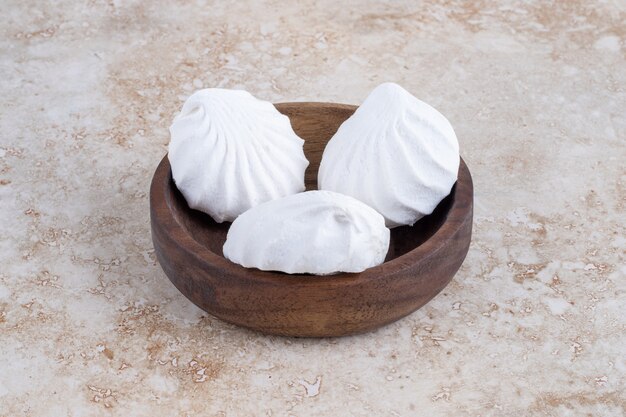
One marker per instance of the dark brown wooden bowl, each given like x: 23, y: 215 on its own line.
x: 421, y: 261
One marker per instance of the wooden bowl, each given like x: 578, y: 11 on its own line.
x: 421, y: 261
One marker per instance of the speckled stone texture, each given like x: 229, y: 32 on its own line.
x: 533, y: 323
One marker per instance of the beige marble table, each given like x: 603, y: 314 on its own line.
x: 533, y: 323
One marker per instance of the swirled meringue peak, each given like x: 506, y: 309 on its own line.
x: 316, y: 232
x: 230, y: 151
x: 395, y: 153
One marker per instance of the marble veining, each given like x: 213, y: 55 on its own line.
x: 534, y: 323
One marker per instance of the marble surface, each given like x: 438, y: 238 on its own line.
x: 533, y: 323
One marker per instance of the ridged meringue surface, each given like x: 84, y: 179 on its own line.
x: 395, y: 153
x: 316, y: 232
x: 230, y: 151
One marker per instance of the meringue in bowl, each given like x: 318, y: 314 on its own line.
x: 316, y: 232
x: 396, y: 153
x: 420, y: 262
x: 230, y: 151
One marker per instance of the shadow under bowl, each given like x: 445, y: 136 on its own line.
x: 421, y: 261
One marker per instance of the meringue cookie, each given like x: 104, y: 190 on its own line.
x: 230, y: 151
x: 395, y: 153
x: 316, y: 232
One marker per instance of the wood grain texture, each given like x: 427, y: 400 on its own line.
x: 421, y: 261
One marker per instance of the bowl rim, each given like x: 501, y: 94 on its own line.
x: 176, y: 232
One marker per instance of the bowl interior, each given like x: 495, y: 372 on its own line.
x: 316, y: 123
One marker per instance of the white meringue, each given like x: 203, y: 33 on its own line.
x: 316, y: 232
x: 396, y: 153
x: 230, y: 151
